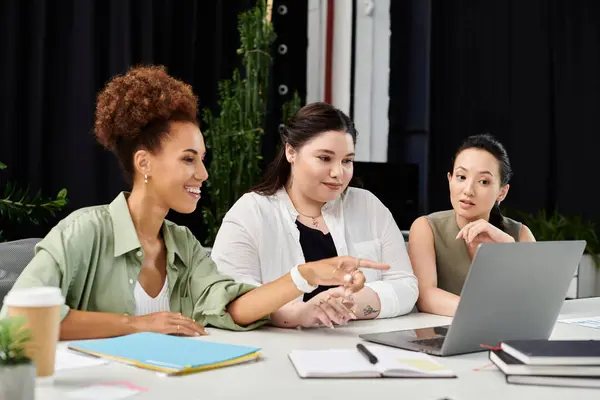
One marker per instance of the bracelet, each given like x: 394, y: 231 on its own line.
x: 301, y: 283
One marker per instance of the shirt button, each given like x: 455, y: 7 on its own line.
x: 139, y: 254
x: 131, y: 281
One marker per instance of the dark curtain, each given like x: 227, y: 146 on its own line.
x: 56, y: 55
x: 290, y: 21
x: 528, y: 72
x: 408, y: 111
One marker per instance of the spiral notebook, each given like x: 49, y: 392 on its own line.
x: 349, y: 363
x: 172, y: 355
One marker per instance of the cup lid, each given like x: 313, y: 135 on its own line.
x: 43, y: 296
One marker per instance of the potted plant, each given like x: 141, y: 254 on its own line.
x: 556, y: 226
x: 17, y: 371
x: 233, y: 134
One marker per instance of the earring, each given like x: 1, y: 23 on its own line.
x: 145, y: 178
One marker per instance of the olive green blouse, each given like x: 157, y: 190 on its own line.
x: 94, y: 256
x: 451, y: 254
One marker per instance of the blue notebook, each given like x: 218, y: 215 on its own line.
x: 173, y: 355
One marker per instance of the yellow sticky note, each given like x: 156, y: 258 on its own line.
x: 424, y: 365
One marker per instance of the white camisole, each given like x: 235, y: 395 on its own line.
x: 145, y: 304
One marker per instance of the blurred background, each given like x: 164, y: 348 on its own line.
x: 417, y: 77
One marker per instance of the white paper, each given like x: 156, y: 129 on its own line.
x: 101, y: 392
x: 335, y: 362
x: 590, y: 322
x: 66, y: 359
x: 350, y: 363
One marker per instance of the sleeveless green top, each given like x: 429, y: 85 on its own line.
x: 451, y: 254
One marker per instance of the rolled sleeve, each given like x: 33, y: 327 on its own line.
x: 212, y: 310
x: 390, y: 304
x: 212, y: 292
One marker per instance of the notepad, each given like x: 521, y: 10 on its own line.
x: 172, y: 355
x: 349, y: 363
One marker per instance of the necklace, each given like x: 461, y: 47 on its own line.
x: 315, y: 223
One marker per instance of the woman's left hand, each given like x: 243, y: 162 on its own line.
x: 481, y: 231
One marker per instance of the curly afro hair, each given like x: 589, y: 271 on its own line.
x: 134, y: 110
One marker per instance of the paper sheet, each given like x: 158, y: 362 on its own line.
x: 66, y: 359
x: 589, y: 322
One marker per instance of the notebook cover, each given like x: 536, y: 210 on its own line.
x: 512, y: 366
x: 557, y: 348
x: 165, y: 353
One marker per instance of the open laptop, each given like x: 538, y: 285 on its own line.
x: 512, y: 291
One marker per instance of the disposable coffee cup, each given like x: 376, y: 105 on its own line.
x: 40, y: 307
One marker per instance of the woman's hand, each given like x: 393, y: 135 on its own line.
x: 343, y: 271
x: 168, y: 323
x: 328, y: 308
x: 481, y: 231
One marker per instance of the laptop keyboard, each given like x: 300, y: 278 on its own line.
x: 435, y: 342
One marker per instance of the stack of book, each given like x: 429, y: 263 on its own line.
x: 574, y: 363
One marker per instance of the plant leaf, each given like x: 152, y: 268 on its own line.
x: 13, y: 338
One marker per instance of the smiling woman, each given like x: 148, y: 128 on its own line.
x: 122, y: 267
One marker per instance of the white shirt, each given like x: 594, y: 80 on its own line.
x: 259, y: 242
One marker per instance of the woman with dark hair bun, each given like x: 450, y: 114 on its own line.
x: 303, y: 211
x: 441, y: 245
x: 122, y: 267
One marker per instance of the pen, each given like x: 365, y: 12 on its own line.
x: 365, y: 352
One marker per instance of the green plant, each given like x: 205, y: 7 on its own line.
x: 17, y: 205
x: 556, y: 226
x: 291, y: 107
x: 13, y: 338
x: 234, y: 134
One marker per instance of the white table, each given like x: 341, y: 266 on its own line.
x: 274, y: 376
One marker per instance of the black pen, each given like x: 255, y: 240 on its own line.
x: 365, y: 352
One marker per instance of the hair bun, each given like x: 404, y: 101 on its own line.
x: 145, y: 94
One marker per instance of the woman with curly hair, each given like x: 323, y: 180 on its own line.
x: 122, y: 267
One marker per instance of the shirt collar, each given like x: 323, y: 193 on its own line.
x: 124, y: 234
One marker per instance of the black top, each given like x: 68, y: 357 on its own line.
x: 315, y: 246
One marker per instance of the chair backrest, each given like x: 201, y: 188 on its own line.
x: 14, y: 257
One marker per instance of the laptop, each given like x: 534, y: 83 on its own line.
x: 512, y: 291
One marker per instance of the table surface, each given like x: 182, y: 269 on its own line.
x: 275, y: 377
